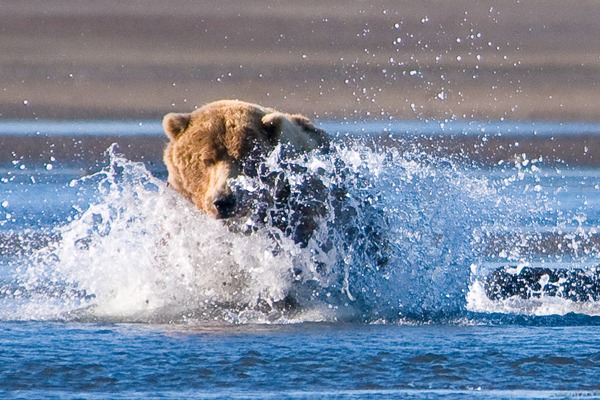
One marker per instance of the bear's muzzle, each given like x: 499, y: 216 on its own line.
x: 225, y: 206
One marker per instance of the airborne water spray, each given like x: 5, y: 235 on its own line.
x: 141, y: 253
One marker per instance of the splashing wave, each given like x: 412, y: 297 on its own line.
x: 418, y: 228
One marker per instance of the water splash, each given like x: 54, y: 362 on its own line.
x: 551, y: 254
x: 401, y: 235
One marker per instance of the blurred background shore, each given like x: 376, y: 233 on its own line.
x: 466, y: 59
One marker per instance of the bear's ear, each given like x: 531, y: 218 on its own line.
x: 318, y: 135
x: 272, y: 123
x: 302, y: 121
x: 174, y: 124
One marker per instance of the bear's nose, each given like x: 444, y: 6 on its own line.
x: 225, y: 206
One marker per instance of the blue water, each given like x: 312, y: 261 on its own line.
x: 111, y: 286
x: 352, y: 127
x: 60, y: 360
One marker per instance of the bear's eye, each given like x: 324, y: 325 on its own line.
x: 209, y: 162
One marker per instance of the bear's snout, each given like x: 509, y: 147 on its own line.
x: 225, y: 206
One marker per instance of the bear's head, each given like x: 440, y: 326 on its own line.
x: 223, y: 140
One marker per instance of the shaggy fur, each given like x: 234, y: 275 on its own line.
x: 224, y: 139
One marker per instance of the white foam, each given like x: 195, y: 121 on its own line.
x: 542, y: 306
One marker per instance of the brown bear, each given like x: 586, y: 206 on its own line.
x: 225, y: 139
x: 262, y: 170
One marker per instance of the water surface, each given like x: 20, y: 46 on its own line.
x: 113, y: 286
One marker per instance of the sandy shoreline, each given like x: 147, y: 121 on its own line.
x: 67, y: 59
